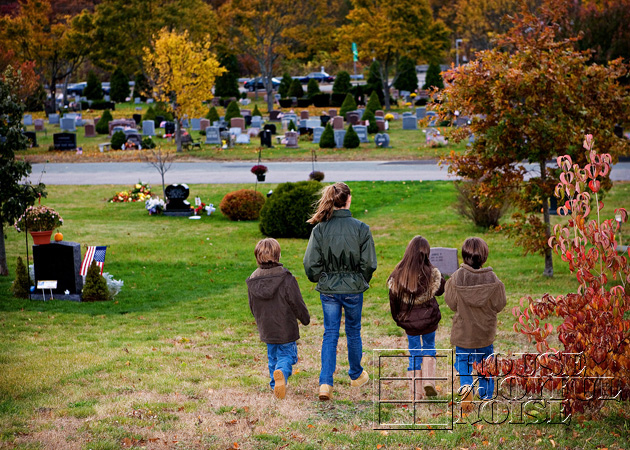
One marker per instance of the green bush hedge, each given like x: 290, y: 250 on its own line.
x: 102, y: 126
x: 118, y: 139
x: 244, y: 204
x: 327, y: 139
x: 351, y: 139
x: 285, y: 213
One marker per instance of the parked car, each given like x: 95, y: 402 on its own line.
x: 321, y: 77
x: 257, y: 83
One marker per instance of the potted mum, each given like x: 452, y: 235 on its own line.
x: 40, y: 221
x: 259, y: 170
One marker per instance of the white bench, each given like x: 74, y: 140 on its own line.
x: 105, y: 146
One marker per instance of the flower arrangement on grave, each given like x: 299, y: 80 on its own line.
x: 39, y: 218
x: 209, y: 209
x: 259, y: 169
x: 389, y: 116
x: 413, y: 95
x: 138, y: 193
x: 155, y: 205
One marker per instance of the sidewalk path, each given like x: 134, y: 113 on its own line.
x: 238, y: 172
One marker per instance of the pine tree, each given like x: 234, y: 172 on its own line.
x: 227, y: 84
x: 369, y: 116
x: 312, y: 88
x: 213, y: 115
x: 150, y: 114
x: 291, y: 126
x: 22, y: 283
x: 434, y: 77
x: 256, y: 111
x: 296, y: 89
x: 351, y: 139
x: 95, y: 288
x: 232, y: 111
x: 327, y: 139
x: 93, y: 90
x: 375, y: 82
x: 342, y: 84
x: 102, y: 126
x: 348, y: 105
x: 285, y: 84
x: 141, y: 87
x: 374, y: 104
x: 119, y: 86
x: 407, y: 78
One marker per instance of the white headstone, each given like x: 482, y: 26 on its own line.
x: 317, y: 134
x: 339, y: 136
x: 213, y: 135
x: 68, y: 124
x: 196, y: 124
x: 148, y: 128
x: 27, y: 120
x: 242, y: 138
x: 362, y: 133
x: 445, y: 259
x: 410, y: 123
x: 53, y: 119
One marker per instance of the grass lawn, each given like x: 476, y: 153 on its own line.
x: 175, y: 360
x: 407, y: 144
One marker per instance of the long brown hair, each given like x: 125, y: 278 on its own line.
x: 333, y: 196
x: 412, y: 275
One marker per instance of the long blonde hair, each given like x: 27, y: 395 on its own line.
x: 333, y: 196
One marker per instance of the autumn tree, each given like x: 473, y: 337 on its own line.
x: 15, y: 195
x: 56, y: 44
x: 182, y: 74
x: 390, y: 29
x: 531, y: 98
x: 269, y: 30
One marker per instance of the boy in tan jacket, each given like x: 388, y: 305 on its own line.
x: 477, y: 296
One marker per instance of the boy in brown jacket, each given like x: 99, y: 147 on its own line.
x: 276, y: 303
x: 477, y: 296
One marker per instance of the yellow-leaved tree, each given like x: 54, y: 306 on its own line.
x: 182, y: 74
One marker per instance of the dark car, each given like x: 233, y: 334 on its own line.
x: 321, y: 77
x: 257, y: 83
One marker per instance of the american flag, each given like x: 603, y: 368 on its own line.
x: 93, y: 253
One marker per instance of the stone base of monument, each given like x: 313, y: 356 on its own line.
x: 71, y: 297
x: 179, y: 212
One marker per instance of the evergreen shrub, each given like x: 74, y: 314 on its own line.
x: 374, y: 103
x: 349, y: 104
x: 289, y: 207
x: 351, y: 139
x: 342, y: 83
x: 244, y: 204
x: 321, y: 100
x: 255, y: 112
x: 285, y: 84
x: 102, y: 126
x: 369, y: 116
x: 213, y: 115
x: 93, y: 89
x: 232, y: 111
x: 337, y: 99
x: 327, y: 139
x: 296, y: 89
x: 95, y: 288
x: 22, y: 283
x: 119, y: 87
x: 312, y: 88
x: 118, y: 139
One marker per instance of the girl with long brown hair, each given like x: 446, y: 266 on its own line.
x: 340, y: 258
x: 413, y: 286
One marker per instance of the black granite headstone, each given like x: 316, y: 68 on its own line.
x: 265, y: 138
x: 177, y: 204
x: 248, y: 120
x: 271, y: 127
x: 32, y: 136
x: 169, y: 128
x: 324, y: 120
x: 65, y: 141
x: 61, y: 262
x: 158, y: 121
x: 137, y: 118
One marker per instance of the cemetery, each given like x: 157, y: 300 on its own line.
x: 129, y: 324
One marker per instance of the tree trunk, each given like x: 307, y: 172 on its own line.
x: 178, y: 134
x: 4, y: 269
x: 548, y: 272
x: 385, y: 83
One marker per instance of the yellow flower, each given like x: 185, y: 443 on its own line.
x: 413, y: 95
x: 138, y: 186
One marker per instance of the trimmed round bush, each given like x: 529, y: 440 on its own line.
x: 102, y: 126
x: 285, y: 84
x: 285, y: 213
x: 119, y: 86
x: 374, y: 104
x: 312, y: 88
x: 232, y: 111
x: 349, y: 104
x: 296, y: 89
x: 369, y: 116
x: 150, y: 114
x: 213, y: 115
x: 351, y: 139
x: 321, y: 100
x: 342, y: 83
x: 244, y: 204
x: 118, y: 139
x: 327, y: 139
x: 255, y: 112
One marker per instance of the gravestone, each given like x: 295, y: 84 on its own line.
x: 271, y: 127
x: 124, y: 123
x: 410, y: 123
x: 265, y: 138
x: 134, y: 138
x: 32, y: 137
x: 339, y: 136
x: 117, y: 129
x: 149, y: 101
x: 432, y: 117
x: 242, y: 138
x: 304, y: 114
x: 148, y: 128
x: 352, y: 117
x: 337, y: 123
x: 382, y: 140
x: 107, y: 98
x: 421, y: 112
x: 158, y: 121
x: 362, y: 133
x: 177, y: 205
x: 360, y: 112
x: 257, y: 122
x: 196, y: 124
x: 323, y: 120
x: 253, y: 132
x: 274, y: 115
x: 407, y: 114
x: 313, y: 123
x: 444, y: 259
x: 137, y: 100
x: 61, y: 262
x: 317, y: 134
x: 27, y: 120
x: 169, y: 128
x: 184, y: 123
x: 332, y: 112
x: 137, y: 118
x: 302, y: 123
x: 213, y: 136
x: 379, y: 113
x: 237, y: 122
x: 203, y: 124
x: 53, y: 119
x: 235, y: 131
x: 39, y: 124
x: 246, y: 112
x: 68, y: 124
x: 248, y: 120
x: 462, y: 121
x: 90, y: 130
x: 381, y: 125
x: 292, y: 138
x: 64, y: 141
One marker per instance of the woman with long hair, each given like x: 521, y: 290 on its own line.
x: 340, y: 258
x: 413, y: 285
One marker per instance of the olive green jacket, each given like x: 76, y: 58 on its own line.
x: 340, y: 256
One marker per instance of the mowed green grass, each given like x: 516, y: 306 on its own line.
x: 175, y: 360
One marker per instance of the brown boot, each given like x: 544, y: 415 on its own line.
x: 467, y: 399
x: 428, y: 376
x: 417, y: 378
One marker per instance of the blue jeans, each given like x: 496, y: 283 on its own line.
x: 464, y: 359
x: 281, y: 356
x: 419, y: 346
x: 352, y: 305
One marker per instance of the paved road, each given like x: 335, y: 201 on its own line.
x: 238, y: 172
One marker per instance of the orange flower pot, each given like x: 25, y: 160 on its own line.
x: 41, y: 237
